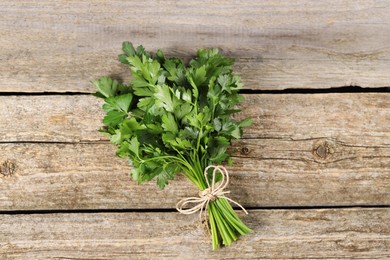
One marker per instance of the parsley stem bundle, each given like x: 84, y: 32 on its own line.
x: 174, y: 118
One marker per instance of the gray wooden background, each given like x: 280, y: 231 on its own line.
x: 313, y: 170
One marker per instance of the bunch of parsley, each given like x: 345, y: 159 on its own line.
x: 176, y: 118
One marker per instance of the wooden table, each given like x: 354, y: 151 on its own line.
x: 313, y: 170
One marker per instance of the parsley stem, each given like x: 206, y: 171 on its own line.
x: 188, y: 169
x: 232, y: 217
x: 231, y: 234
x: 227, y: 240
x: 225, y: 223
x: 214, y: 234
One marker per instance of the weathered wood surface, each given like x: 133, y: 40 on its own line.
x: 355, y: 119
x: 50, y: 118
x: 299, y: 234
x: 60, y: 45
x: 303, y: 150
x: 319, y: 150
x: 274, y: 174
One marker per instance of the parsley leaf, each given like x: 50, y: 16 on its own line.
x: 164, y: 98
x: 169, y: 123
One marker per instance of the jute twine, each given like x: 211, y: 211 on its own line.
x: 211, y: 193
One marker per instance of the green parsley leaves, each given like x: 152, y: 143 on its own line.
x: 172, y: 118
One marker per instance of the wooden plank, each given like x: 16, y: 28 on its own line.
x: 355, y: 119
x: 302, y: 150
x: 266, y: 173
x: 50, y: 118
x: 277, y: 234
x: 61, y: 45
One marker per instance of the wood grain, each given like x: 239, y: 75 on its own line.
x: 60, y: 46
x: 352, y: 118
x: 266, y: 173
x: 318, y: 150
x: 303, y: 150
x: 277, y: 234
x: 50, y: 118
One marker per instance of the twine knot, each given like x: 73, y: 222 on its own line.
x: 211, y: 193
x: 207, y: 193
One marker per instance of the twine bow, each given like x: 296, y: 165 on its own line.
x: 211, y: 193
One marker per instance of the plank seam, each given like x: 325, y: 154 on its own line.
x: 332, y: 90
x: 170, y: 210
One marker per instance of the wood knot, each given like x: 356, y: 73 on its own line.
x: 8, y: 168
x: 245, y: 150
x: 323, y: 150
